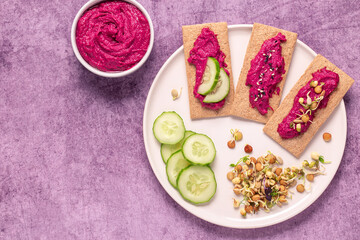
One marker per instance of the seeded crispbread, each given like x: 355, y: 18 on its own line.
x: 298, y: 144
x: 260, y: 33
x: 190, y: 34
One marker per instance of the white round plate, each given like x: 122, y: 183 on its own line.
x: 220, y: 209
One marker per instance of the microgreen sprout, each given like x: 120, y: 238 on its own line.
x: 322, y: 160
x: 243, y: 159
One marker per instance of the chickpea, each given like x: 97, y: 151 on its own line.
x: 238, y: 136
x: 248, y: 148
x: 305, y: 118
x: 256, y: 197
x: 243, y: 212
x: 313, y: 164
x: 300, y: 188
x: 271, y: 158
x: 249, y: 172
x: 252, y: 159
x: 282, y: 188
x: 278, y: 171
x: 236, y: 180
x: 279, y: 160
x: 174, y: 94
x: 237, y: 191
x: 310, y: 177
x: 282, y: 199
x: 258, y: 167
x: 231, y: 144
x: 249, y: 208
x: 236, y: 203
x: 269, y: 174
x: 315, y: 155
x: 238, y: 168
x: 327, y: 137
x: 318, y: 89
x: 282, y: 182
x: 313, y: 106
x: 313, y: 83
x: 230, y: 175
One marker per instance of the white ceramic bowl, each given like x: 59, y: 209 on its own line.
x: 111, y: 74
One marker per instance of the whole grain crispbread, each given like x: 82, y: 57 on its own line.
x: 298, y: 144
x: 190, y: 34
x: 260, y: 33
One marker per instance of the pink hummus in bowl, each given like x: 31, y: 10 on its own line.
x: 112, y: 38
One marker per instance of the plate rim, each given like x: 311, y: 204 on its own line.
x: 278, y: 220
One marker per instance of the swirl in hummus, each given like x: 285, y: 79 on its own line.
x: 113, y: 36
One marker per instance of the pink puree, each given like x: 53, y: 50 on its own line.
x: 206, y: 45
x: 330, y: 80
x: 265, y: 73
x: 113, y: 36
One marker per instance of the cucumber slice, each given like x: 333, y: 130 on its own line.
x: 221, y: 90
x: 169, y: 128
x: 174, y: 166
x: 167, y: 150
x: 199, y: 149
x: 210, y: 76
x: 197, y: 184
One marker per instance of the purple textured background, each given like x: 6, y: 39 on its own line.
x: 72, y: 159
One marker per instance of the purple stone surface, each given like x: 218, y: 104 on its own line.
x: 72, y: 158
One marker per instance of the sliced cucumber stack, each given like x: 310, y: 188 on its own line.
x: 169, y: 128
x: 199, y: 149
x: 197, y: 184
x: 221, y: 90
x: 210, y: 76
x: 168, y: 149
x: 176, y: 163
x: 187, y: 156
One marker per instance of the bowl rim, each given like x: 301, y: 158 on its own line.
x: 96, y: 71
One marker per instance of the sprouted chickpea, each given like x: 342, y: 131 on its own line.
x: 231, y: 144
x: 236, y: 136
x: 175, y: 94
x: 310, y: 177
x: 300, y: 188
x: 263, y: 184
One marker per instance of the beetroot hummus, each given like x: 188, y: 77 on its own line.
x: 265, y: 73
x: 113, y: 36
x: 206, y: 45
x: 314, y: 95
